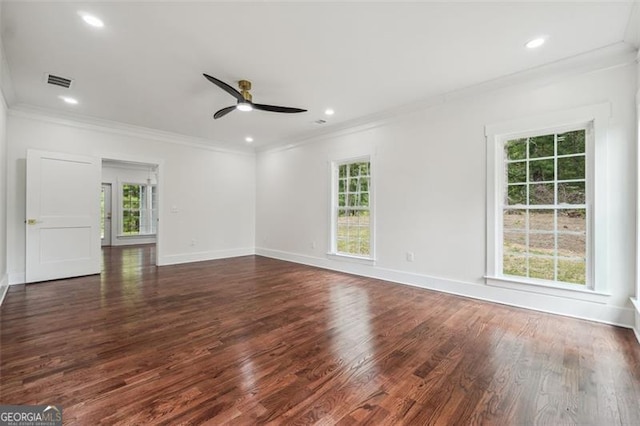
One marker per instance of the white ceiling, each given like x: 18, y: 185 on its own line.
x: 360, y: 58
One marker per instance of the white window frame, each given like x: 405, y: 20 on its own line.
x: 595, y: 118
x: 149, y: 208
x: 333, y: 211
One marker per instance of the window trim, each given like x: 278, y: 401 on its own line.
x: 502, y: 139
x: 595, y: 118
x: 121, y: 209
x: 333, y: 242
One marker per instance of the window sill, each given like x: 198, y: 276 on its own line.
x: 135, y: 236
x: 557, y: 290
x: 352, y: 259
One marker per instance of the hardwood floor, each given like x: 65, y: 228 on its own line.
x: 253, y: 340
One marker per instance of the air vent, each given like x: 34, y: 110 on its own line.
x: 59, y: 81
x: 321, y: 121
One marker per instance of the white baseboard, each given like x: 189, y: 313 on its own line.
x: 17, y: 278
x: 4, y: 287
x: 131, y: 241
x: 636, y: 326
x: 614, y: 315
x: 174, y: 259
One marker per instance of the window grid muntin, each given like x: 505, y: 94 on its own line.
x: 557, y: 207
x: 353, y: 232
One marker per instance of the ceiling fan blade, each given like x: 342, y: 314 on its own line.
x: 223, y: 112
x: 274, y: 108
x: 224, y: 86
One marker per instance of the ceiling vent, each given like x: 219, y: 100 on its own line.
x: 321, y: 121
x: 59, y: 81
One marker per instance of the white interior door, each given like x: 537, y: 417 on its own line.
x: 63, y: 216
x: 105, y: 201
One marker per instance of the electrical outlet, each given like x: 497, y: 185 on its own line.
x: 410, y: 256
x: 193, y: 242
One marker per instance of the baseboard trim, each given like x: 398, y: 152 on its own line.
x: 120, y: 242
x: 614, y: 315
x: 17, y: 278
x: 175, y: 259
x: 636, y: 327
x: 4, y: 287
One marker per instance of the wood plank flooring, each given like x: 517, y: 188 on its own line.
x: 253, y: 340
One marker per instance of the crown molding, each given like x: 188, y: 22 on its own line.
x: 114, y: 127
x: 612, y: 56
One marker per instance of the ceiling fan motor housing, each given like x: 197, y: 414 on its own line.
x: 245, y: 86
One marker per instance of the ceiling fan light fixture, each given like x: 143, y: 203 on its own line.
x: 244, y: 106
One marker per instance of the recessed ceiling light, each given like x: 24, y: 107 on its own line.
x: 91, y: 20
x: 536, y: 42
x: 329, y: 111
x: 69, y: 100
x: 248, y: 139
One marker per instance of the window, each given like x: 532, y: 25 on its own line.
x: 352, y: 224
x: 139, y: 209
x: 547, y: 205
x: 544, y: 211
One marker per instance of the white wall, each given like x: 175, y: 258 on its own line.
x: 116, y: 175
x: 205, y: 195
x: 637, y: 295
x: 4, y: 279
x: 429, y: 176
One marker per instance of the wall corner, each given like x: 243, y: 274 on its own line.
x: 4, y: 287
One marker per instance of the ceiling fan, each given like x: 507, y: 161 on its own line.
x: 244, y: 99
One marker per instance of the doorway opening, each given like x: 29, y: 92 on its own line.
x: 130, y: 206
